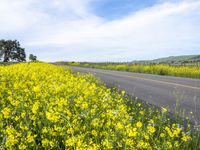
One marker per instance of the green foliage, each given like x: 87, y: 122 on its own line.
x: 32, y: 57
x: 11, y: 51
x: 159, y: 69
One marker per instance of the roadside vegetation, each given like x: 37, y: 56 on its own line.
x: 45, y: 106
x: 159, y: 69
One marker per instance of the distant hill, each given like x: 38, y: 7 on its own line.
x: 177, y: 58
x: 173, y: 59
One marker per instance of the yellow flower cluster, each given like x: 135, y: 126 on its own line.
x: 44, y: 106
x: 160, y: 69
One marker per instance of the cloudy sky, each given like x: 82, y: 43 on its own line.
x: 102, y: 30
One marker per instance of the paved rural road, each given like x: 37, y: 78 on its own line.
x: 162, y: 91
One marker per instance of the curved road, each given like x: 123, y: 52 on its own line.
x: 162, y: 91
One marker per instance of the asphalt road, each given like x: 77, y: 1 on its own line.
x: 162, y: 91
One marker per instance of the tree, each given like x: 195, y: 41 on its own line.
x: 32, y: 57
x: 2, y: 43
x: 11, y: 51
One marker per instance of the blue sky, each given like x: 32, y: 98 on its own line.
x: 115, y: 9
x: 102, y: 30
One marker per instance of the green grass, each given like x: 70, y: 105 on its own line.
x: 159, y: 69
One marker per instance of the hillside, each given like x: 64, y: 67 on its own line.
x: 173, y: 59
x: 178, y: 59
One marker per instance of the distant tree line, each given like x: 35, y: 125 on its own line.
x: 10, y: 50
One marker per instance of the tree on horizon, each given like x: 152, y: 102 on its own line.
x: 10, y: 50
x: 32, y: 57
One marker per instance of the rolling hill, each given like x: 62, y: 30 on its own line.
x: 173, y: 59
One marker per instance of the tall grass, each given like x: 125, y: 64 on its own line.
x: 159, y: 69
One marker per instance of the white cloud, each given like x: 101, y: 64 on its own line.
x: 17, y: 15
x: 79, y: 7
x: 23, y: 14
x: 164, y: 29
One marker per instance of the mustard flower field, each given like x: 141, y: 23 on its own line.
x: 159, y: 69
x: 43, y: 106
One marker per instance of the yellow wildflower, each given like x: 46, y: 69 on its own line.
x: 22, y: 147
x: 151, y: 129
x: 6, y: 112
x: 139, y: 124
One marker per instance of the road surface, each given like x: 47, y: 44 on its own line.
x: 162, y: 91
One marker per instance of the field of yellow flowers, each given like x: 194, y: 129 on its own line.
x: 160, y: 69
x: 43, y: 106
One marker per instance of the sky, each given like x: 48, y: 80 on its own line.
x: 102, y: 30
